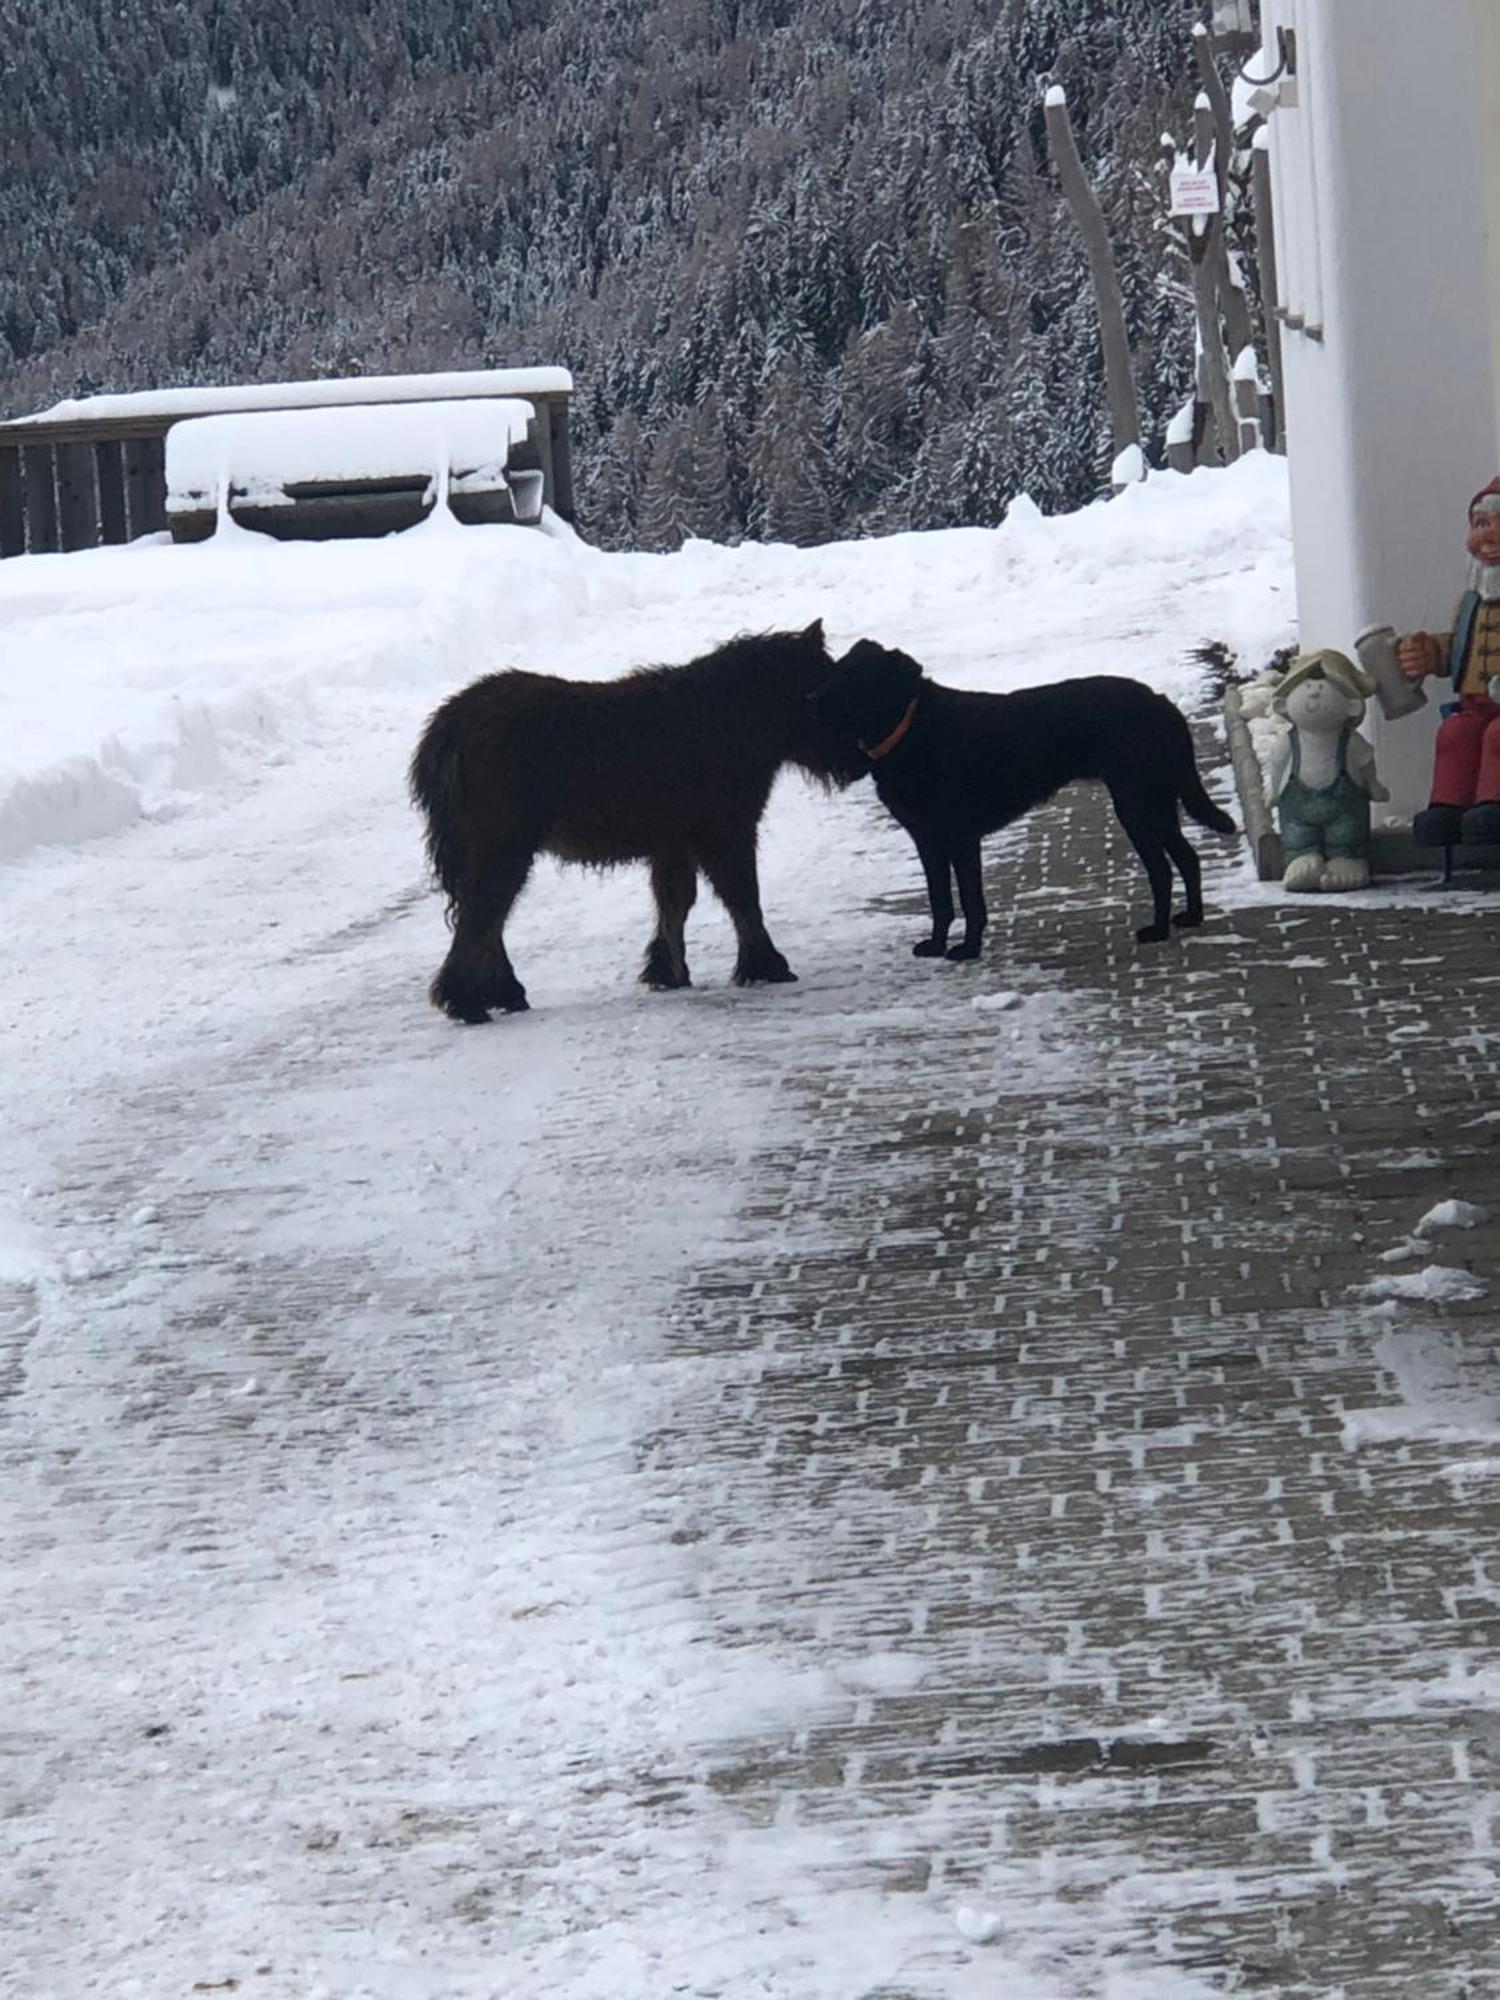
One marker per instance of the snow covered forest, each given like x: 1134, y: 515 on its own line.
x: 807, y: 258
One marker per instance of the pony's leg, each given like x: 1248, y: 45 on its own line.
x: 674, y: 883
x: 732, y: 874
x: 477, y: 973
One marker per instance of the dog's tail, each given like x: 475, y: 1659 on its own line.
x: 1198, y: 805
x: 436, y: 780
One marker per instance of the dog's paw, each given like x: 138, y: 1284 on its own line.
x: 1153, y: 934
x: 959, y: 954
x: 928, y: 948
x: 1188, y: 920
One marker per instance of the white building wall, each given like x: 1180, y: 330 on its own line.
x: 1383, y: 175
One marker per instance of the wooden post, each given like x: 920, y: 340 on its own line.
x: 1213, y: 128
x: 1270, y: 299
x: 41, y: 499
x: 562, y: 462
x: 12, y: 503
x: 133, y: 466
x: 1247, y: 403
x: 145, y: 485
x: 155, y: 492
x: 1199, y: 232
x: 1181, y: 451
x: 1124, y: 410
x: 109, y: 471
x: 1215, y: 373
x: 77, y: 498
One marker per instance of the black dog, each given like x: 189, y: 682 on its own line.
x: 954, y: 766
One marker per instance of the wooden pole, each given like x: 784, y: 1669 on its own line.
x: 1213, y: 127
x: 1270, y: 294
x: 1201, y: 231
x: 77, y: 498
x: 41, y: 499
x: 109, y: 470
x: 12, y: 503
x: 1124, y: 410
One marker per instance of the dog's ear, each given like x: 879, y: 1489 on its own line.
x: 813, y: 636
x: 863, y: 653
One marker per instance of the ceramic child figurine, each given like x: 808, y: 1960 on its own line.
x: 1322, y: 774
x: 1465, y: 807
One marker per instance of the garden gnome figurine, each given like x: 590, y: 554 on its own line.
x: 1465, y: 805
x: 1322, y: 773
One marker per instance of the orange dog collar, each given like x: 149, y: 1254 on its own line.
x: 875, y: 751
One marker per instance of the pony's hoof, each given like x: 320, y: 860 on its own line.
x: 513, y: 1001
x: 662, y: 978
x: 960, y: 954
x: 1153, y: 934
x: 1188, y: 920
x: 467, y: 1013
x: 457, y: 1004
x: 771, y: 973
x: 929, y: 948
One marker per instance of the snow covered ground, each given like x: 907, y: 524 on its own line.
x: 338, y: 1614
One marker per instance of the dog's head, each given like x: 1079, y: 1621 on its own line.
x: 872, y: 688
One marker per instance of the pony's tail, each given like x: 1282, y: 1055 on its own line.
x: 437, y: 789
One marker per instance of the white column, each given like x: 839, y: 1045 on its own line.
x: 1391, y: 418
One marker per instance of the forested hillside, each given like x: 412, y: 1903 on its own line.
x: 806, y: 258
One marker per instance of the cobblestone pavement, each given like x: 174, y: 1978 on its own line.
x: 1173, y: 1557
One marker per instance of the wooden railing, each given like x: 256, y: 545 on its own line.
x: 69, y: 480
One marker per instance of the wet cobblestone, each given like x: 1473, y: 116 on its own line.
x: 1043, y: 1371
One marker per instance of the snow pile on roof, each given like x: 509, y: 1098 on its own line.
x: 261, y: 453
x: 196, y: 402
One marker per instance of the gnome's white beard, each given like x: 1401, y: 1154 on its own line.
x: 1485, y: 578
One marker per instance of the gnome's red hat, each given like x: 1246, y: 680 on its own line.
x: 1490, y: 492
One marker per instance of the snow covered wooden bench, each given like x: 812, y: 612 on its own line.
x: 308, y: 475
x: 92, y: 470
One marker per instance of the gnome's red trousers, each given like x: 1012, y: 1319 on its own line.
x: 1466, y: 770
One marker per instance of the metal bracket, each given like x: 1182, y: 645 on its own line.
x: 1286, y: 49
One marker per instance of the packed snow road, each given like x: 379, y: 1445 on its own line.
x: 341, y: 1615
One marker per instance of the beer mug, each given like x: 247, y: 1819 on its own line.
x: 1397, y: 695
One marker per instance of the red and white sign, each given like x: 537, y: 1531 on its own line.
x: 1194, y: 193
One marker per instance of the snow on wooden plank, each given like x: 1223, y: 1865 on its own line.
x: 170, y: 403
x: 259, y: 454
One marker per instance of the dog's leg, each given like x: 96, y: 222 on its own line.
x: 1182, y: 852
x: 939, y: 873
x: 971, y: 896
x: 732, y: 875
x: 477, y: 973
x: 674, y: 883
x: 1148, y: 837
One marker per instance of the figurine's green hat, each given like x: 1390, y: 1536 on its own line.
x: 1333, y: 666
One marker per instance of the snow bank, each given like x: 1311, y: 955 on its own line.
x: 135, y: 680
x: 1434, y: 1284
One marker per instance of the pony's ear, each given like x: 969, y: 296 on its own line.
x: 813, y: 636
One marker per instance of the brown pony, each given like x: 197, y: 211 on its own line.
x: 670, y: 765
